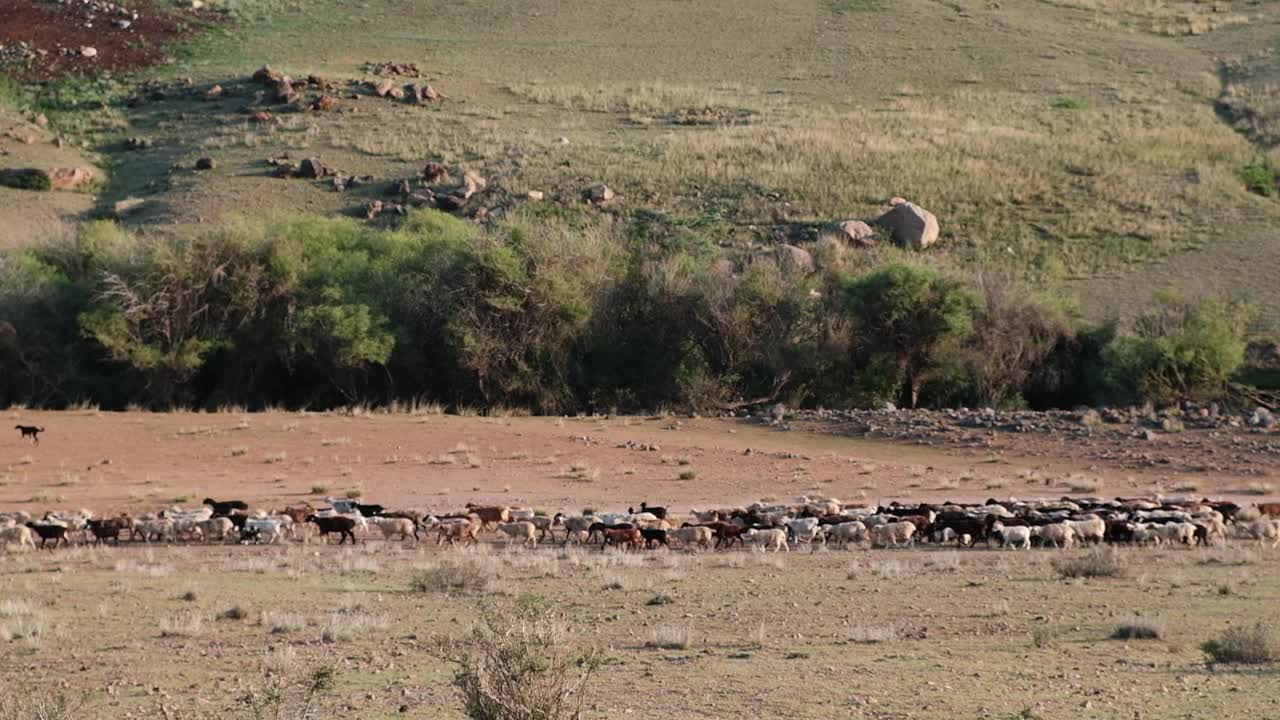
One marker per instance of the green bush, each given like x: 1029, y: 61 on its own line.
x: 26, y: 179
x: 1260, y: 179
x: 1179, y: 351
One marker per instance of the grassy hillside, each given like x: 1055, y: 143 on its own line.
x: 1075, y: 141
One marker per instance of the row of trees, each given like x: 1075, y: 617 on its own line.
x: 555, y: 314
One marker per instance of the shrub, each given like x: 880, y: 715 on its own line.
x: 1179, y: 351
x: 453, y: 578
x: 25, y: 703
x: 1137, y: 629
x: 515, y: 665
x: 1260, y: 179
x: 235, y: 612
x: 669, y: 637
x: 290, y: 696
x: 1097, y: 562
x: 1254, y: 645
x: 26, y: 179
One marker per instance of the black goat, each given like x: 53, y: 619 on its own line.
x: 369, y: 510
x: 653, y: 537
x: 335, y: 523
x: 658, y: 512
x: 224, y: 508
x: 56, y: 533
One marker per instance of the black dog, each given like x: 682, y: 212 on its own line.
x: 30, y: 431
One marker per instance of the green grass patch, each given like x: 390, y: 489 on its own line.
x: 844, y: 7
x: 1066, y: 102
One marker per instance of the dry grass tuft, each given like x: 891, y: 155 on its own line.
x: 1138, y: 629
x: 1252, y: 645
x: 1094, y: 563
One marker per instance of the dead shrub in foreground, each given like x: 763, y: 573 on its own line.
x: 28, y: 704
x: 453, y: 578
x: 287, y: 696
x: 1254, y: 645
x: 515, y: 666
x: 1099, y: 562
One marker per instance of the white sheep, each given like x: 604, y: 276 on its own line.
x: 894, y: 534
x: 215, y: 528
x: 1264, y: 530
x: 19, y: 535
x: 395, y: 526
x: 1091, y: 529
x: 849, y: 532
x: 775, y: 538
x: 693, y: 535
x: 1016, y: 536
x: 522, y: 530
x: 1059, y: 535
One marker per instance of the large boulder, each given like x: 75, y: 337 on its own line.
x: 599, y: 194
x: 472, y: 183
x: 856, y: 232
x: 910, y: 225
x: 795, y: 258
x: 70, y: 178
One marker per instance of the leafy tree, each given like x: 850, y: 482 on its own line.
x: 908, y: 320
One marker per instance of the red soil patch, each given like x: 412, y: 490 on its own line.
x: 54, y: 34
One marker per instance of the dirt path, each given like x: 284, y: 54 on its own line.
x: 141, y: 461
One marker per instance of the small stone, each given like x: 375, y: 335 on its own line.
x: 204, y: 163
x: 88, y: 52
x: 535, y: 195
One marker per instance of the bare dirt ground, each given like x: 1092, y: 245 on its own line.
x: 142, y: 461
x: 926, y: 633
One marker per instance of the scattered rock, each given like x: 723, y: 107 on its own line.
x: 214, y: 93
x: 435, y: 173
x: 393, y: 68
x: 204, y: 163
x: 324, y: 103
x: 266, y: 76
x: 88, y: 52
x: 127, y: 206
x: 857, y: 233
x: 121, y: 24
x: 284, y: 92
x: 420, y: 94
x: 910, y: 224
x: 312, y: 168
x: 384, y: 86
x: 535, y: 195
x: 599, y: 194
x: 262, y: 116
x: 137, y: 143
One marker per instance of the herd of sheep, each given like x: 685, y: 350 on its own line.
x: 1059, y: 523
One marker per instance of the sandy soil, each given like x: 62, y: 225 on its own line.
x: 142, y: 461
